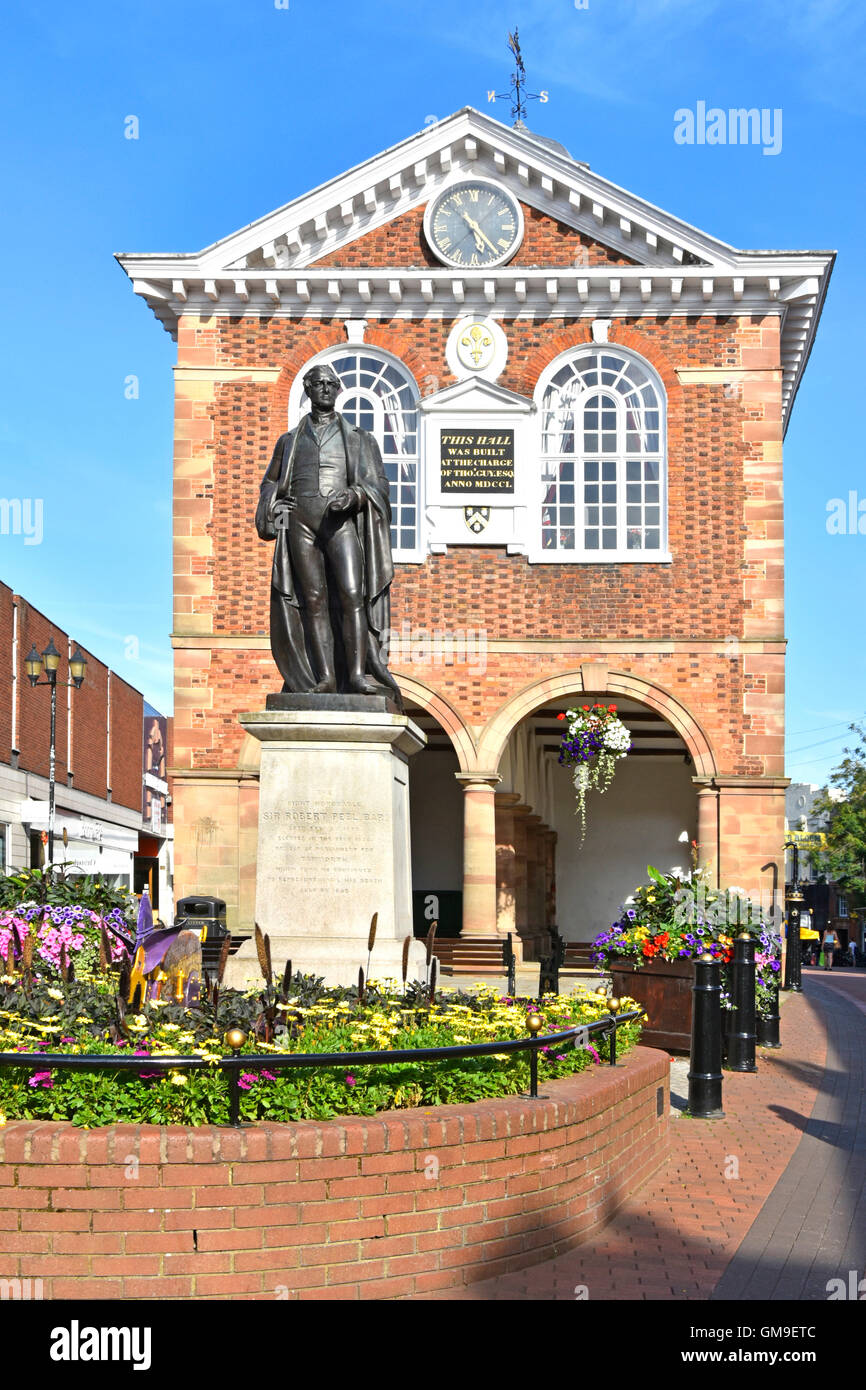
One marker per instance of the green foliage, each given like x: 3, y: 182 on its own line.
x: 41, y: 1013
x: 59, y: 889
x: 844, y: 860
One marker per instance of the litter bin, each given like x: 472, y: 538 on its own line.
x: 197, y: 912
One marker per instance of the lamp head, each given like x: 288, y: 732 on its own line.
x: 77, y: 667
x: 51, y: 657
x: 235, y: 1039
x: 33, y: 665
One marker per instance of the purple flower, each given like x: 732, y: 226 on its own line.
x: 43, y: 1079
x: 350, y: 1080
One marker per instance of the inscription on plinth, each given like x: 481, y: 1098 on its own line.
x: 333, y: 843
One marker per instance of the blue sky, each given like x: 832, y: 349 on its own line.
x: 243, y: 105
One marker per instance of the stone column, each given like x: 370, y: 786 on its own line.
x: 534, y: 878
x: 506, y: 902
x: 550, y: 838
x: 479, y: 852
x: 521, y: 905
x: 708, y: 828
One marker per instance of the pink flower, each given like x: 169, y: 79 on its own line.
x: 43, y: 1079
x: 246, y: 1080
x: 350, y: 1080
x: 268, y: 1075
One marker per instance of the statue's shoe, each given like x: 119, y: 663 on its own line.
x: 325, y: 687
x: 361, y: 685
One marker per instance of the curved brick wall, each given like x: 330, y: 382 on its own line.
x: 386, y: 1207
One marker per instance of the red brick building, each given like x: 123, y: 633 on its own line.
x: 476, y: 286
x: 99, y: 769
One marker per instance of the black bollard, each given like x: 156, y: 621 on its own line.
x: 767, y: 1026
x: 741, y: 1031
x: 705, y: 1069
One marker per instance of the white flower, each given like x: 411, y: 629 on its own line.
x: 54, y: 993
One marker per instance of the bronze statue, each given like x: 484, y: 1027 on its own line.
x: 324, y: 500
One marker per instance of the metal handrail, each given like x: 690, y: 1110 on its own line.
x: 241, y: 1061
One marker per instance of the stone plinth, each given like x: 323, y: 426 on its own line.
x: 333, y: 843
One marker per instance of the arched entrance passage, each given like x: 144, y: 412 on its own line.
x: 546, y: 876
x: 436, y: 811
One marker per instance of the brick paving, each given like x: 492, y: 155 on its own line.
x: 760, y: 1204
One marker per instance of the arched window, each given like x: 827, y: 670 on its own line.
x: 378, y: 395
x: 602, y: 457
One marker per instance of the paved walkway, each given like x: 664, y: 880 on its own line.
x: 768, y: 1202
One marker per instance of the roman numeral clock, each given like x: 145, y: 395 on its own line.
x: 473, y: 225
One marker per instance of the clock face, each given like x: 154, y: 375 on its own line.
x: 473, y: 225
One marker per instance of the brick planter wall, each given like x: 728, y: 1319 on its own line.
x: 386, y: 1207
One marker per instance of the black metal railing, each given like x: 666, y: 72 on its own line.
x: 238, y: 1062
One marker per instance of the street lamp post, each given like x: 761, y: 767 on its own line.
x: 794, y: 907
x: 34, y: 665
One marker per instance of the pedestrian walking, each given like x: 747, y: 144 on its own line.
x: 829, y: 942
x: 852, y: 951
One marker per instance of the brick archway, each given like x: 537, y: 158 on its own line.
x: 444, y: 713
x: 595, y: 677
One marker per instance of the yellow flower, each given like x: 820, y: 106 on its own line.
x: 136, y: 1025
x: 171, y: 1027
x: 2, y: 1119
x: 54, y: 993
x: 178, y: 1078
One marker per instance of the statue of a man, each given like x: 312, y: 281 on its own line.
x: 324, y: 500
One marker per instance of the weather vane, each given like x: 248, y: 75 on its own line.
x: 519, y: 96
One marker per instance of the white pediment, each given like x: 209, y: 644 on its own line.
x: 407, y: 176
x: 476, y: 396
x: 273, y: 266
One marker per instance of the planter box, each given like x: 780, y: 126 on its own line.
x: 664, y: 990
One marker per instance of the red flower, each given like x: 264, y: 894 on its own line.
x: 649, y: 949
x: 662, y: 939
x: 613, y: 707
x: 586, y: 707
x: 560, y: 716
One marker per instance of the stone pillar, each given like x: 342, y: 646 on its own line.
x: 708, y: 828
x: 534, y: 877
x: 479, y: 852
x: 521, y: 905
x: 506, y: 902
x: 550, y: 838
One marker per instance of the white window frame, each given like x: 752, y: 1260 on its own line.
x: 299, y: 407
x: 620, y: 457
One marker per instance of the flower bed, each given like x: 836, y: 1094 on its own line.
x: 39, y: 1012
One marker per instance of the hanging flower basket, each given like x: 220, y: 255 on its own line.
x: 592, y: 744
